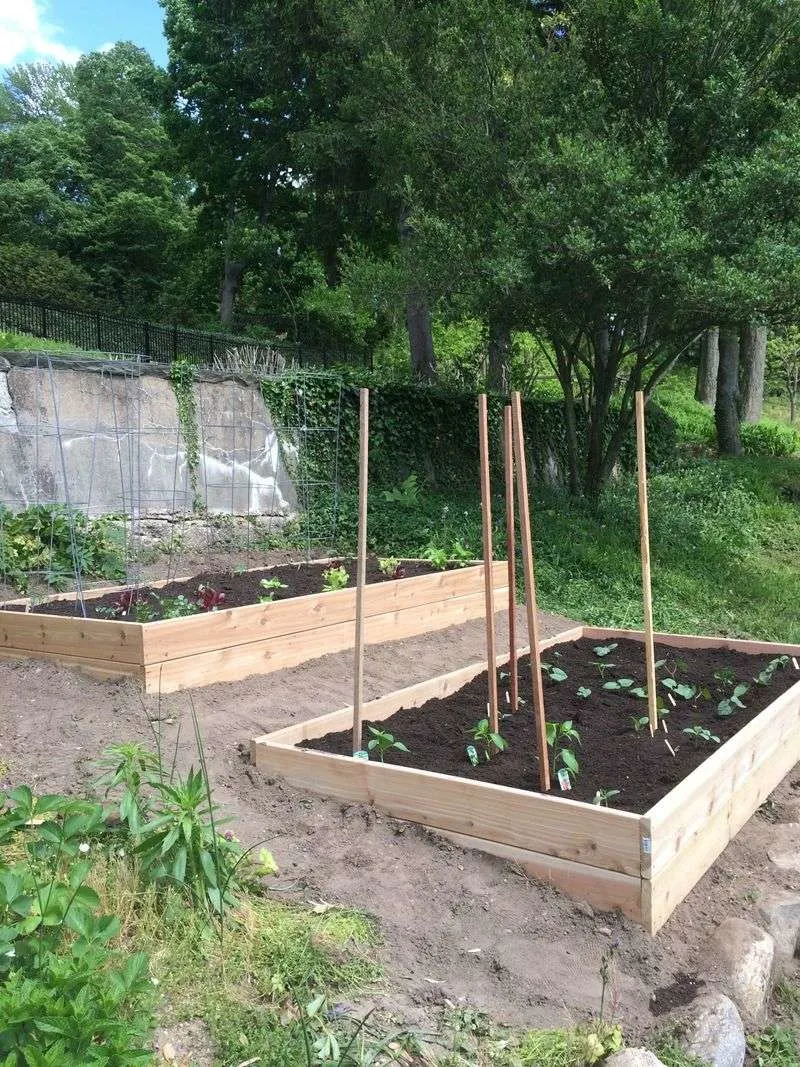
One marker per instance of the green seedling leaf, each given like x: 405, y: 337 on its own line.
x: 570, y: 761
x: 680, y: 689
x: 584, y: 692
x: 640, y: 692
x: 620, y: 683
x: 604, y: 650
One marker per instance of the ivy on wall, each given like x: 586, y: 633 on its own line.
x: 181, y: 375
x: 429, y: 430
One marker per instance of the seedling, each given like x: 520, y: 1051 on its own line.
x: 619, y: 684
x: 271, y: 585
x: 177, y: 607
x: 604, y: 650
x: 728, y: 705
x: 460, y: 553
x: 391, y: 567
x: 603, y: 667
x: 334, y: 578
x: 383, y: 742
x: 490, y: 740
x: 209, y: 599
x: 641, y: 722
x: 725, y: 675
x: 584, y: 692
x: 560, y: 738
x: 639, y: 691
x: 680, y: 689
x: 602, y: 797
x: 555, y: 674
x: 699, y: 733
x: 437, y: 557
x: 766, y: 676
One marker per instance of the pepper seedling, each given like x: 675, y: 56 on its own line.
x: 383, y: 742
x: 490, y: 740
x: 602, y: 797
x: 560, y: 738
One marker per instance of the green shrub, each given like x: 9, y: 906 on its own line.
x: 57, y: 543
x: 769, y: 439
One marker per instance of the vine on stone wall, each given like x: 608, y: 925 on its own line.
x: 181, y: 375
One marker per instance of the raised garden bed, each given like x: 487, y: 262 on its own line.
x: 230, y: 643
x: 673, y: 814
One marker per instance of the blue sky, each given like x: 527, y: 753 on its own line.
x: 63, y: 29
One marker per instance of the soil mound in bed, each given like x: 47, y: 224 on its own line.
x: 611, y: 754
x: 239, y: 589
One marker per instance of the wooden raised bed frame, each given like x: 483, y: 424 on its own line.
x: 643, y: 865
x: 230, y: 644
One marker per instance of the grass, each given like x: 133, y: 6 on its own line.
x: 26, y: 342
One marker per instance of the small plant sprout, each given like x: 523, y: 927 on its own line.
x: 555, y: 674
x: 584, y: 692
x: 725, y: 675
x: 382, y: 741
x: 492, y: 742
x: 459, y: 553
x: 604, y: 650
x: 765, y: 677
x: 729, y: 705
x: 700, y: 734
x: 620, y: 684
x: 391, y: 567
x: 334, y: 578
x: 436, y: 556
x: 271, y: 586
x: 602, y: 797
x: 639, y: 723
x: 603, y: 667
x: 639, y: 691
x: 209, y: 599
x: 561, y: 736
x: 680, y: 689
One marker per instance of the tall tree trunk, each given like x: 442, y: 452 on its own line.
x: 752, y: 368
x: 564, y: 368
x: 231, y: 284
x: 598, y: 412
x: 499, y: 353
x: 420, y: 336
x: 726, y: 412
x: 706, y: 390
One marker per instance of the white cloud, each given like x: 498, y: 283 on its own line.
x: 106, y: 47
x: 26, y: 34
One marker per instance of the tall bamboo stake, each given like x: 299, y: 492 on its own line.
x: 508, y: 455
x: 526, y: 539
x: 486, y: 508
x: 644, y: 531
x: 361, y: 573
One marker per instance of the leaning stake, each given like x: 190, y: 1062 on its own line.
x: 486, y: 508
x: 508, y: 455
x: 530, y: 589
x: 361, y: 573
x: 644, y: 530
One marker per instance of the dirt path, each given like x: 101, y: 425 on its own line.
x: 458, y: 926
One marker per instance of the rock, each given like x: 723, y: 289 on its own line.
x: 633, y: 1057
x: 784, y: 849
x: 780, y: 914
x: 584, y: 909
x: 713, y: 1031
x: 747, y: 956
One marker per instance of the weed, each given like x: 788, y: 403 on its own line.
x: 407, y: 494
x: 775, y: 1047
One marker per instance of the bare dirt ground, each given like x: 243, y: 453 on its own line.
x: 457, y: 926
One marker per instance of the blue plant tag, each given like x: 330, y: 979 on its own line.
x: 361, y: 755
x: 472, y: 755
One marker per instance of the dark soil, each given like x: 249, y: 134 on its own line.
x: 611, y: 754
x: 239, y: 589
x: 677, y: 994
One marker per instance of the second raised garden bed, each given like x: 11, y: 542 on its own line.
x: 678, y: 805
x: 233, y: 642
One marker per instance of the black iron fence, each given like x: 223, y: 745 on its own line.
x: 96, y: 331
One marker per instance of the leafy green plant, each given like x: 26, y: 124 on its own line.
x: 561, y: 736
x: 602, y: 797
x: 765, y: 677
x: 729, y: 705
x: 680, y: 689
x: 491, y: 741
x: 774, y: 1047
x: 700, y: 733
x: 459, y: 553
x: 271, y: 585
x: 555, y: 674
x: 583, y: 692
x: 436, y: 556
x: 388, y: 566
x: 642, y: 722
x: 604, y: 650
x: 334, y: 578
x: 407, y: 494
x: 603, y: 667
x: 176, y: 607
x: 128, y: 768
x: 725, y: 675
x: 623, y: 684
x: 382, y: 742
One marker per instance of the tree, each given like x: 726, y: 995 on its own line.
x: 752, y: 368
x: 726, y: 414
x: 708, y: 367
x: 783, y: 363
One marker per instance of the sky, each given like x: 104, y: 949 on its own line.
x: 62, y: 30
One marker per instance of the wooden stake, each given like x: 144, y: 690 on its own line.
x: 644, y: 529
x: 508, y: 455
x: 486, y: 508
x: 526, y: 539
x: 361, y: 573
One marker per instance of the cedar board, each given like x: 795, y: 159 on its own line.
x: 226, y: 645
x: 643, y: 865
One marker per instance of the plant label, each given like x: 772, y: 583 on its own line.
x: 361, y: 755
x: 472, y: 755
x: 508, y: 698
x: 565, y: 785
x: 796, y: 665
x: 671, y: 699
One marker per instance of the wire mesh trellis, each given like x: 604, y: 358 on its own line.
x: 97, y: 484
